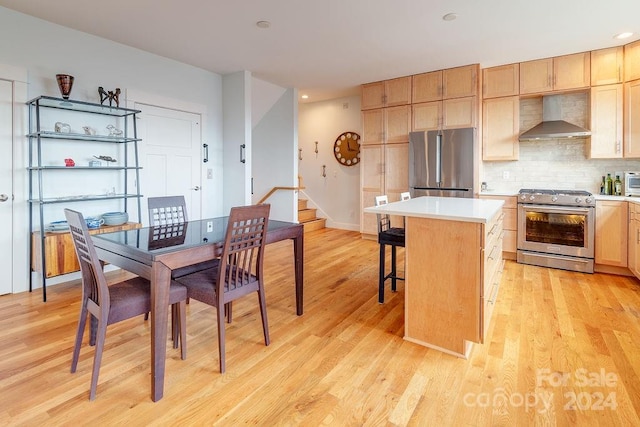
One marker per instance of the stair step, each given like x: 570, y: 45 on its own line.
x: 302, y: 204
x: 305, y: 215
x: 315, y: 224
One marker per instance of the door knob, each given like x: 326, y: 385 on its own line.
x: 196, y: 188
x: 3, y: 197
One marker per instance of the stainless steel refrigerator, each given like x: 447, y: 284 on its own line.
x: 441, y: 163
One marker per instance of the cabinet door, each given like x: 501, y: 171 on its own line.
x: 606, y: 122
x: 427, y: 87
x: 611, y: 233
x: 396, y: 175
x: 633, y: 240
x: 459, y: 112
x: 606, y: 66
x: 500, y: 128
x: 372, y: 96
x: 460, y: 82
x: 397, y: 91
x: 572, y: 71
x: 426, y: 116
x: 397, y: 121
x: 501, y: 81
x: 373, y: 126
x: 535, y: 76
x: 632, y: 61
x: 371, y: 183
x: 632, y: 119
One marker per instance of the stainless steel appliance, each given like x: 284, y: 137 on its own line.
x: 441, y: 163
x: 556, y: 229
x: 632, y: 184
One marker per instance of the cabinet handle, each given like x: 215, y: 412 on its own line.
x: 618, y: 147
x: 638, y: 236
x: 206, y: 153
x: 242, y: 157
x: 619, y: 74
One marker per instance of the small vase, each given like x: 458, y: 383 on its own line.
x: 65, y: 83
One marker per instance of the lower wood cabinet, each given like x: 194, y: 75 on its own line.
x: 633, y: 242
x: 510, y: 224
x: 60, y: 254
x: 611, y: 232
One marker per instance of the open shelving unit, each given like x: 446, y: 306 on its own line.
x: 46, y: 165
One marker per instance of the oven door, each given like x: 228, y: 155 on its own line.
x: 561, y: 230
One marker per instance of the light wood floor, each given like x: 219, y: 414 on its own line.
x: 344, y: 361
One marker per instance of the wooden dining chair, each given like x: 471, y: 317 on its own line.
x: 111, y: 304
x: 387, y: 236
x: 240, y: 271
x: 405, y: 196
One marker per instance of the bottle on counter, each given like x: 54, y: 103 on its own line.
x: 608, y: 189
x: 603, y: 184
x: 617, y: 186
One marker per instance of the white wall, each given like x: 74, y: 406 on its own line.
x: 338, y: 194
x: 275, y: 146
x: 46, y: 49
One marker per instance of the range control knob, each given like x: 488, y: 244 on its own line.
x: 532, y: 197
x: 523, y: 197
x: 578, y: 200
x: 554, y: 198
x: 588, y: 200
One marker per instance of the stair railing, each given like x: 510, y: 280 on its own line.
x: 274, y: 189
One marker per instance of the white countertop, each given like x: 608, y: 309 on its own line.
x: 447, y: 208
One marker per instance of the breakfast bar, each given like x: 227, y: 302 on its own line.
x: 453, y: 255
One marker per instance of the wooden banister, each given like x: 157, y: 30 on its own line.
x: 274, y: 189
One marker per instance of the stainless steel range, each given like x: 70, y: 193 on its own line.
x: 556, y: 229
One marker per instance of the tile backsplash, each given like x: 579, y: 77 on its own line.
x: 554, y: 163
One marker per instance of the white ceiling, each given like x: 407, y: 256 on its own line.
x: 327, y: 48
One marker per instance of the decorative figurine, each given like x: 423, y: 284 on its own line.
x: 105, y: 158
x: 112, y: 96
x: 69, y: 163
x: 65, y: 83
x: 62, y: 127
x: 88, y: 130
x: 114, y: 131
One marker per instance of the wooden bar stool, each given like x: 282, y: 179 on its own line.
x: 391, y: 236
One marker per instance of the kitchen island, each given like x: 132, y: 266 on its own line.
x: 453, y: 255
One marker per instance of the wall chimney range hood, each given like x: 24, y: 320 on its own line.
x: 552, y: 126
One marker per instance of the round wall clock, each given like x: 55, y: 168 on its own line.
x: 347, y: 148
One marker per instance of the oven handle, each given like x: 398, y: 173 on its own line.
x: 572, y: 209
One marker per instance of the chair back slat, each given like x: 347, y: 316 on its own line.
x: 167, y: 210
x: 384, y: 220
x: 94, y: 284
x: 242, y: 254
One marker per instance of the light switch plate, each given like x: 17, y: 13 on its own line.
x: 209, y: 226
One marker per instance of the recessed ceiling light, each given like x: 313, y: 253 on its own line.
x: 449, y: 16
x: 305, y: 97
x: 263, y: 24
x: 624, y: 35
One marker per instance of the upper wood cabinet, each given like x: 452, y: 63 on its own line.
x: 386, y: 125
x: 559, y: 73
x: 460, y: 82
x: 373, y: 126
x: 606, y: 122
x: 500, y: 128
x: 632, y: 119
x: 501, y: 81
x: 426, y: 87
x: 607, y: 66
x: 448, y: 114
x: 632, y: 61
x: 387, y: 93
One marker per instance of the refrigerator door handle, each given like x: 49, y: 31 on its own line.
x: 438, y: 157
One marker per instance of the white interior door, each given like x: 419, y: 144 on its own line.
x: 170, y: 156
x: 6, y: 184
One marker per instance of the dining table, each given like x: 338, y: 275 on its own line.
x: 154, y: 252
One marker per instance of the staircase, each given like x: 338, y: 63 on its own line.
x: 307, y: 217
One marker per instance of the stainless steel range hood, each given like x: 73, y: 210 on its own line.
x: 552, y: 126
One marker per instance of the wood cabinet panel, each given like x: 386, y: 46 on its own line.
x: 397, y: 123
x: 509, y: 224
x: 459, y: 113
x: 460, y: 82
x: 373, y: 126
x: 632, y: 61
x: 372, y: 96
x: 396, y: 162
x: 426, y: 116
x: 536, y: 76
x: 427, y: 87
x: 501, y: 81
x: 607, y: 66
x: 60, y: 254
x: 632, y: 119
x: 611, y: 232
x: 606, y: 122
x: 572, y: 71
x: 500, y: 128
x: 397, y: 91
x: 633, y: 242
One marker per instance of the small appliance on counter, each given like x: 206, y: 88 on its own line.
x: 631, y: 184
